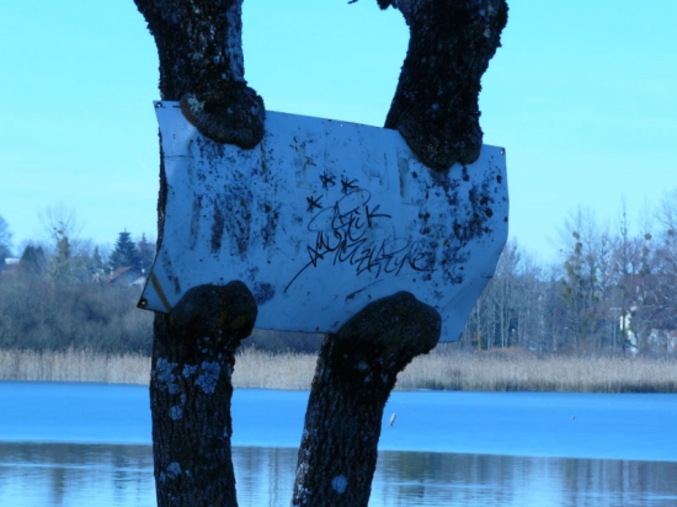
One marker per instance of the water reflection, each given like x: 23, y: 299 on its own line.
x: 121, y: 476
x: 264, y: 476
x: 71, y: 474
x: 465, y: 479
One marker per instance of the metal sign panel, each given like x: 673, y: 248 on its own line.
x: 323, y: 217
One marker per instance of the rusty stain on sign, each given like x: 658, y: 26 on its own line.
x: 322, y: 218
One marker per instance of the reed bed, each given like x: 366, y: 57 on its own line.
x: 441, y: 371
x: 257, y: 369
x: 523, y: 372
x: 74, y: 366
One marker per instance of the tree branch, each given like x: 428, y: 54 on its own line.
x: 435, y: 106
x: 201, y: 64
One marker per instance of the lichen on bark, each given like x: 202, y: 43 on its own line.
x: 191, y: 389
x: 201, y: 65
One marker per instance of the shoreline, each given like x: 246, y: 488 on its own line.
x: 498, y: 371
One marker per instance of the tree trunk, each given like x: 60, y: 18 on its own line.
x: 355, y: 374
x: 435, y: 107
x: 190, y: 393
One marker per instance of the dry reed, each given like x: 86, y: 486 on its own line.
x: 74, y: 366
x: 449, y: 371
x: 254, y: 368
x: 523, y: 372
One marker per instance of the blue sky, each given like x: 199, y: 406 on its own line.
x: 581, y: 95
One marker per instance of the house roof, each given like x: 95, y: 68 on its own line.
x: 127, y: 273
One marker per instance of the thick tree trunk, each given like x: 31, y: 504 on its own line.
x: 201, y: 65
x: 190, y: 392
x: 355, y: 374
x: 435, y: 107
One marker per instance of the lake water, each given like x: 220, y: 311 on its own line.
x: 89, y: 444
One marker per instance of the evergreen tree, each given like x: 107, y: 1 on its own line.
x: 33, y: 260
x: 61, y: 261
x: 146, y: 253
x: 125, y: 255
x: 97, y: 264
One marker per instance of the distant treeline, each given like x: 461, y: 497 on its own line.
x: 37, y: 313
x: 614, y: 292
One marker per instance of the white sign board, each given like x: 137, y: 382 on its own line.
x: 322, y: 218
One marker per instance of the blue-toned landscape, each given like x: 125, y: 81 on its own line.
x: 65, y: 444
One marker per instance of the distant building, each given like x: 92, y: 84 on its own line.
x: 659, y: 341
x: 128, y: 277
x: 10, y: 266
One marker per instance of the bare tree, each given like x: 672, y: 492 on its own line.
x: 510, y: 311
x: 655, y: 310
x: 583, y: 285
x: 58, y: 222
x: 628, y: 253
x: 529, y: 302
x: 69, y: 259
x: 505, y: 288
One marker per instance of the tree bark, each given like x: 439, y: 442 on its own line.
x: 355, y: 374
x: 435, y: 106
x: 190, y: 392
x: 201, y: 64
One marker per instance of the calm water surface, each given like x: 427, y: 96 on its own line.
x: 87, y: 444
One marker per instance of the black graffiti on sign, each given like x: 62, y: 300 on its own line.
x: 313, y: 203
x: 345, y: 234
x: 348, y: 186
x: 327, y: 181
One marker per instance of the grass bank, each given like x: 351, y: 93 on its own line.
x: 449, y: 371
